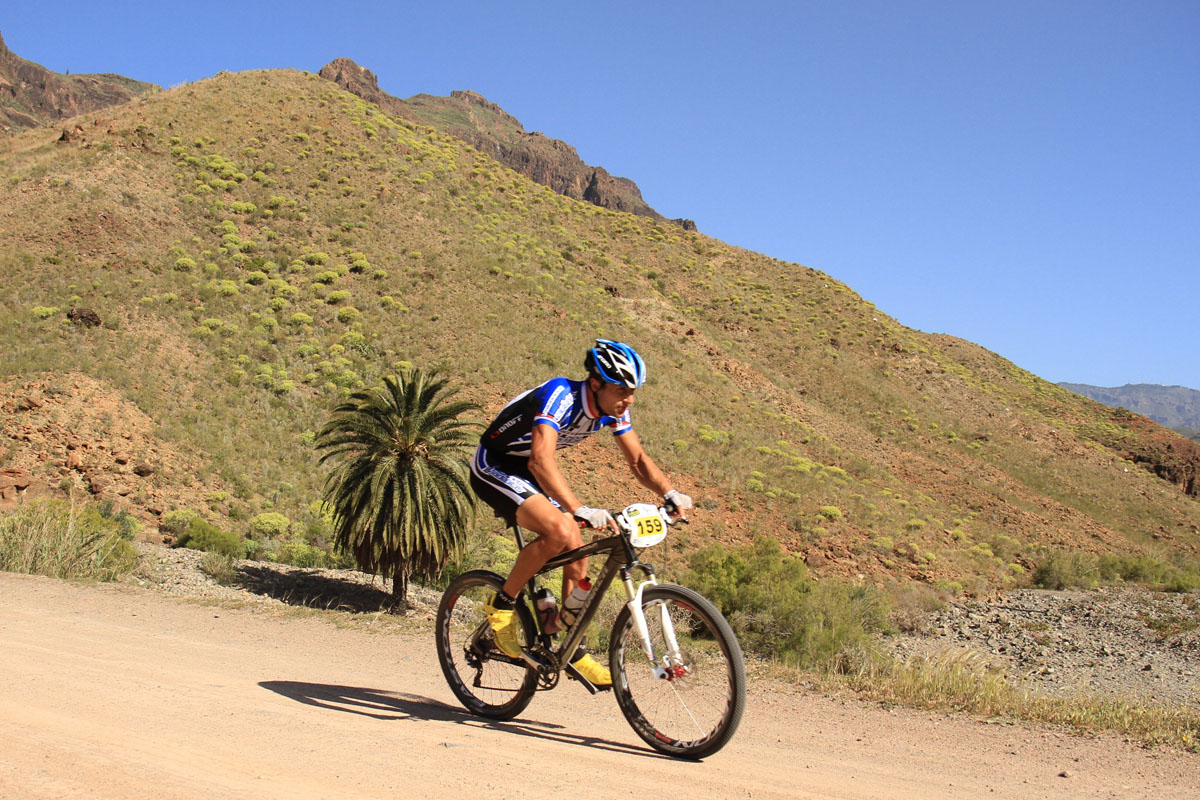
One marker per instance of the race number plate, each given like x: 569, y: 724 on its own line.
x: 646, y: 525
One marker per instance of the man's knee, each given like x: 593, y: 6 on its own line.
x: 564, y: 533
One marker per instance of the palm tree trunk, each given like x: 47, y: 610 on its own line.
x: 400, y: 589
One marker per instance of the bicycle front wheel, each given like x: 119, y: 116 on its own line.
x: 688, y: 701
x: 485, y: 680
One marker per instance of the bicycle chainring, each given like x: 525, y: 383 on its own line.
x: 549, y: 670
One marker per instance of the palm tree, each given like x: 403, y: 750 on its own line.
x: 400, y: 493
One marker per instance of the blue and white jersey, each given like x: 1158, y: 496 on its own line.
x: 564, y: 405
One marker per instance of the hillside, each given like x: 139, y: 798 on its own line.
x: 31, y: 95
x: 254, y: 245
x: 1174, y: 407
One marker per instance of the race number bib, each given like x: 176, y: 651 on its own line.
x: 646, y: 525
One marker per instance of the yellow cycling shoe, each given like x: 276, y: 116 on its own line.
x: 593, y: 670
x: 504, y: 629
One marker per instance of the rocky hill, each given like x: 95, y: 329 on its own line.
x: 195, y: 279
x: 490, y: 129
x: 1173, y: 406
x: 31, y: 95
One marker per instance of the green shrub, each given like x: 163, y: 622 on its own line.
x: 270, y: 525
x: 831, y: 513
x: 300, y: 554
x: 1059, y: 569
x: 201, y: 535
x: 44, y: 312
x: 778, y: 611
x: 174, y: 523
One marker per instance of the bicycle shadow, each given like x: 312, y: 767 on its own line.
x: 384, y: 705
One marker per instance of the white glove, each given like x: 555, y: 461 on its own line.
x: 678, y: 499
x: 594, y: 517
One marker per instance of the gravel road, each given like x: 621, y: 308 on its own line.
x: 121, y: 691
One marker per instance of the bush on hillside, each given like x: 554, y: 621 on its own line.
x: 780, y: 612
x: 270, y: 525
x: 174, y: 523
x: 201, y: 535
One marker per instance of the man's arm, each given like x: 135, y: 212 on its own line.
x: 544, y: 466
x: 640, y: 464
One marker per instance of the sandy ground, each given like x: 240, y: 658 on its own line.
x: 115, y: 692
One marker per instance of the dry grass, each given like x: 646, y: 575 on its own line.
x: 61, y: 540
x: 956, y: 680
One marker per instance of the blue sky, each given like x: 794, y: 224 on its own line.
x: 1025, y: 175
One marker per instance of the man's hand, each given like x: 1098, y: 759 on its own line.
x: 595, y: 517
x: 680, y: 501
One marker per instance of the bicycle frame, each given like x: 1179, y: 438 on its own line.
x: 622, y: 561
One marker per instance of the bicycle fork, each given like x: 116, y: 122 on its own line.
x: 672, y: 663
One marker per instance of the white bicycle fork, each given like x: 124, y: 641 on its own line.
x: 673, y: 656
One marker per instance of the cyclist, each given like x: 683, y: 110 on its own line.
x: 515, y: 472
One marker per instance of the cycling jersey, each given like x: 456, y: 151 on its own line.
x: 500, y: 470
x: 564, y: 405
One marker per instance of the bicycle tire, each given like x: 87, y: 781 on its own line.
x: 695, y: 711
x: 487, y: 682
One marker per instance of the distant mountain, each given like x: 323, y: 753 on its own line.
x: 31, y: 95
x: 490, y: 129
x: 1171, y: 406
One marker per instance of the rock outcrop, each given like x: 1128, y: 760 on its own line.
x: 31, y: 95
x: 490, y: 129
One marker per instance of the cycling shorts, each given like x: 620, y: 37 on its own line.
x: 504, y: 483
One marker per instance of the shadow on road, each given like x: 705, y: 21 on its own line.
x: 312, y: 590
x: 397, y: 705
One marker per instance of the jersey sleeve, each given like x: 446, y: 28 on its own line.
x: 620, y: 425
x: 552, y: 404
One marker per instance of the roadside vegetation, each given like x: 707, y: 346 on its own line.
x: 59, y: 539
x: 958, y: 681
x: 827, y: 632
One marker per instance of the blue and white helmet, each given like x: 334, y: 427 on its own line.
x: 613, y: 362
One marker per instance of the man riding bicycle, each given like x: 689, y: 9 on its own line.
x: 514, y: 471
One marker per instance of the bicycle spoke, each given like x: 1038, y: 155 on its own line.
x: 694, y: 709
x: 487, y: 682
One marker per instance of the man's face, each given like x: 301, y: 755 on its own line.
x: 613, y: 400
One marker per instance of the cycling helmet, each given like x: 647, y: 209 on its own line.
x: 613, y: 362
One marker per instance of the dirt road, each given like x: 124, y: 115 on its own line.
x: 113, y: 692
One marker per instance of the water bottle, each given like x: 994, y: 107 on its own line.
x: 547, y: 608
x: 573, y: 602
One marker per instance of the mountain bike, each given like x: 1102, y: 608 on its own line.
x: 677, y: 667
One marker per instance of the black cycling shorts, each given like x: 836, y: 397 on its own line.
x: 503, y: 483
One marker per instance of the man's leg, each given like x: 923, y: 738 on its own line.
x: 557, y: 533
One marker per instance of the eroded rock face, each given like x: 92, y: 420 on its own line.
x: 72, y: 433
x: 17, y: 485
x: 31, y: 95
x: 492, y: 130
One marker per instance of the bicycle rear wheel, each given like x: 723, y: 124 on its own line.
x: 484, y: 679
x: 691, y: 707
